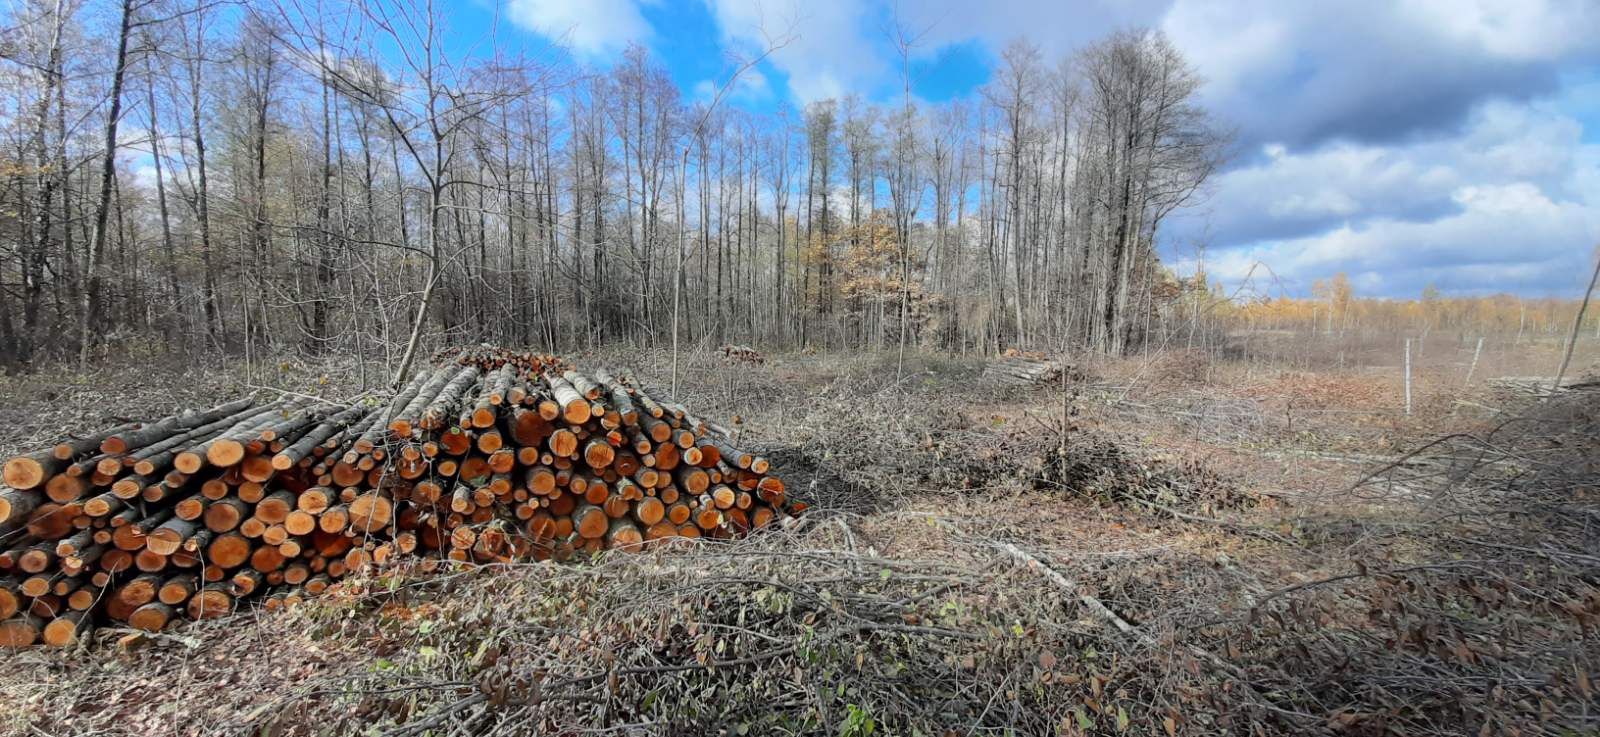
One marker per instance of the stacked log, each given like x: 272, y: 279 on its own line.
x: 1014, y: 352
x: 737, y: 354
x: 492, y: 457
x: 490, y: 357
x: 1021, y: 370
x: 1538, y: 386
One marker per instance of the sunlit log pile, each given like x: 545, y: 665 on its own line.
x: 1023, y: 370
x: 490, y: 456
x: 737, y: 354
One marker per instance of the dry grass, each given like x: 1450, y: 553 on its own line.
x: 1212, y: 506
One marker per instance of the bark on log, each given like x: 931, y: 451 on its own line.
x: 589, y: 389
x: 211, y: 602
x: 17, y: 504
x: 152, y: 617
x: 402, y: 423
x: 195, y: 457
x: 302, y: 448
x: 88, y: 444
x: 444, y: 404
x: 127, y: 442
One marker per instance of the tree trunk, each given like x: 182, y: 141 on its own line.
x: 92, y: 305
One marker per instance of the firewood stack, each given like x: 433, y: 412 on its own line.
x: 1022, y: 370
x: 737, y: 354
x: 490, y: 456
x: 1538, y: 386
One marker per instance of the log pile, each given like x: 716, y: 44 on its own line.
x: 1014, y: 352
x: 489, y: 456
x: 1537, y: 386
x: 1023, y: 370
x: 737, y: 354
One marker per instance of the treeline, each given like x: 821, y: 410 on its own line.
x: 1499, y: 315
x: 276, y: 177
x: 1334, y: 309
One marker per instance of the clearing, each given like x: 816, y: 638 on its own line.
x: 1164, y: 545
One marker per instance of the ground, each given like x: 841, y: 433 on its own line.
x: 1171, y: 544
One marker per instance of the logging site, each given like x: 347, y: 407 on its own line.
x: 843, y: 368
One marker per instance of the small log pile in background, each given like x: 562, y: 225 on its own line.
x: 1023, y: 370
x: 1538, y: 386
x: 737, y: 354
x: 491, y: 456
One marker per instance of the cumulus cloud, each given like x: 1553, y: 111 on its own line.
x: 590, y: 27
x: 1305, y: 74
x: 1510, y: 238
x: 1513, y: 203
x: 1058, y: 28
x: 145, y: 176
x: 1300, y: 74
x: 833, y: 46
x: 751, y: 86
x: 1512, y: 29
x: 1280, y: 193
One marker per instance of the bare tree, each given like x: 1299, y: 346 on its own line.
x: 424, y: 111
x: 1155, y: 148
x: 905, y: 182
x: 93, y: 299
x: 677, y: 281
x: 338, y: 177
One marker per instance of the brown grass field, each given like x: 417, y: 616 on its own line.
x: 1177, y: 543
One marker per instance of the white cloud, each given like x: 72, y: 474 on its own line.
x: 1512, y: 204
x: 832, y: 46
x: 145, y: 176
x: 751, y: 86
x: 1512, y: 29
x: 1057, y: 27
x: 591, y: 27
x: 1506, y: 238
x: 1304, y: 73
x: 1375, y: 70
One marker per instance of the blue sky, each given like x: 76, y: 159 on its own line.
x: 1409, y: 142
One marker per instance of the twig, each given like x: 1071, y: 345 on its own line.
x: 1122, y: 625
x: 1238, y: 527
x: 1067, y: 584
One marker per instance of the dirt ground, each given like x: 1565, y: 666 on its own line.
x: 1163, y: 545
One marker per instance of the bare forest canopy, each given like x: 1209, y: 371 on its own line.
x: 277, y: 176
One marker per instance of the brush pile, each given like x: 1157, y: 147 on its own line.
x: 491, y: 456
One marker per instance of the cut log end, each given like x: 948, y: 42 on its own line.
x: 211, y: 603
x: 189, y: 462
x: 23, y: 473
x: 225, y: 452
x: 68, y: 628
x: 152, y: 617
x: 20, y: 632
